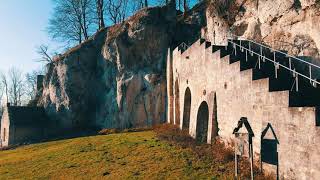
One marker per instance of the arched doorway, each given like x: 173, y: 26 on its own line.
x: 215, y: 127
x: 177, y: 103
x: 186, y: 109
x: 202, y: 122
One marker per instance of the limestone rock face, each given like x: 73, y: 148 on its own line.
x: 114, y: 80
x: 117, y: 78
x: 289, y: 25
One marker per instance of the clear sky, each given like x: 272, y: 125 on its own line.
x: 22, y: 29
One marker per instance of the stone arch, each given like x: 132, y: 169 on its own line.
x: 186, y: 109
x: 202, y: 122
x: 215, y: 127
x: 176, y: 103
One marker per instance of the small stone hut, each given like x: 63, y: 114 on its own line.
x: 21, y: 124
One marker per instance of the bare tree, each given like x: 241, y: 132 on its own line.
x: 185, y: 6
x: 4, y: 83
x: 72, y: 20
x: 1, y: 95
x: 16, y: 90
x: 31, y: 83
x: 43, y: 52
x: 136, y: 5
x: 117, y: 10
x: 100, y: 13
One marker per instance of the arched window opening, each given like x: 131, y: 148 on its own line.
x: 202, y: 123
x: 186, y: 109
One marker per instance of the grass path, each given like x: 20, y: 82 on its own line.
x: 136, y: 155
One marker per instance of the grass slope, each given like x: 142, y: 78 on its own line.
x: 137, y: 155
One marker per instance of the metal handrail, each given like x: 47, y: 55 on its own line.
x: 277, y: 64
x: 274, y: 50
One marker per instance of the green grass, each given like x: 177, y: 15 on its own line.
x: 136, y: 155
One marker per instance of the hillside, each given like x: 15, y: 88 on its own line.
x: 131, y: 155
x: 115, y: 156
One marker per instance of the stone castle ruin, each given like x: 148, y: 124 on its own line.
x: 21, y: 125
x: 210, y: 87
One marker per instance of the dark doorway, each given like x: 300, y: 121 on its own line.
x: 177, y: 103
x: 269, y: 147
x: 215, y: 127
x: 186, y: 109
x: 202, y: 122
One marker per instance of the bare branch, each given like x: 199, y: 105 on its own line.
x: 42, y: 50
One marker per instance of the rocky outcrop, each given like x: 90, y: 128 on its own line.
x: 68, y: 88
x: 115, y: 79
x: 289, y: 25
x: 131, y: 70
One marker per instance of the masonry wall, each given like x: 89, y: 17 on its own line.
x: 291, y: 132
x: 5, y: 124
x: 27, y: 134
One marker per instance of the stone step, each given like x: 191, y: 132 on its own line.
x: 279, y: 79
x: 224, y: 50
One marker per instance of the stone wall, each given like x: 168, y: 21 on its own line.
x: 231, y: 94
x: 5, y: 124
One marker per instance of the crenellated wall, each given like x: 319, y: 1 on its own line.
x: 289, y: 134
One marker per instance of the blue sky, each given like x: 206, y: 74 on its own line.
x: 22, y: 29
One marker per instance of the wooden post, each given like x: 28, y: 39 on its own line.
x: 251, y: 159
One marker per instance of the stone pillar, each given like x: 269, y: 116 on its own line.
x: 39, y: 82
x: 169, y: 87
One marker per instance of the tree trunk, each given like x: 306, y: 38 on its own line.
x: 84, y: 18
x: 146, y: 3
x: 185, y: 6
x: 80, y: 35
x: 100, y: 13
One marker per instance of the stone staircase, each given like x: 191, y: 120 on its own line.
x: 265, y: 85
x: 284, y: 71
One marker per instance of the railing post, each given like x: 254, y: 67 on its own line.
x: 314, y: 83
x: 310, y: 74
x: 297, y: 83
x: 262, y: 57
x: 290, y: 63
x: 250, y: 49
x: 276, y: 70
x: 246, y: 55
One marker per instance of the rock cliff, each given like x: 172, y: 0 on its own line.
x: 117, y: 78
x: 288, y: 25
